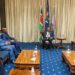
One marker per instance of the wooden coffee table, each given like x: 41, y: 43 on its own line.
x: 24, y: 60
x: 23, y: 72
x: 70, y: 60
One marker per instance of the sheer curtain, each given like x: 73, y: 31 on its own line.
x: 65, y: 15
x: 22, y: 19
x: 0, y: 23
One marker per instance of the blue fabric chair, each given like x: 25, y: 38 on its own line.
x: 1, y: 68
x: 6, y: 37
x: 4, y: 55
x: 8, y: 47
x: 11, y: 49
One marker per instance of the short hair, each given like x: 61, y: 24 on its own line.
x: 4, y: 30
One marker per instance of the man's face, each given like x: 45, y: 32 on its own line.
x: 4, y: 30
x: 48, y: 29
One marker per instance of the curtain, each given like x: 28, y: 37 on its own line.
x: 65, y: 15
x: 22, y: 19
x: 0, y: 23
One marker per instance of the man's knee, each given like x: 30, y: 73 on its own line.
x: 12, y: 46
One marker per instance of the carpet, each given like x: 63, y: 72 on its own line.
x: 51, y: 61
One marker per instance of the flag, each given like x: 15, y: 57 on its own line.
x: 47, y: 15
x: 41, y: 20
x: 54, y: 25
x: 53, y: 20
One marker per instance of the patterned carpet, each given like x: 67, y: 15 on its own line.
x: 51, y: 61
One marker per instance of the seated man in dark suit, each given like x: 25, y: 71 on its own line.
x: 47, y: 39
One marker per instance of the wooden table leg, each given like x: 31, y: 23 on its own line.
x: 73, y: 74
x: 61, y: 46
x: 71, y: 45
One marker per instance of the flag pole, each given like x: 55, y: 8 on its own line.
x: 47, y: 15
x: 55, y: 13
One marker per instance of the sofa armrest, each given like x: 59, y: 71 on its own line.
x: 4, y: 55
x: 1, y: 68
x: 3, y: 49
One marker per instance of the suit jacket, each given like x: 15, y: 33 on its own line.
x: 46, y: 35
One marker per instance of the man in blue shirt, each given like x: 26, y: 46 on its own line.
x: 5, y: 36
x: 7, y: 46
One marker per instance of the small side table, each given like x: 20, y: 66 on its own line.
x: 61, y: 39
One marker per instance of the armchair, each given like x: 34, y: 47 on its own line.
x: 47, y: 38
x: 1, y: 68
x: 4, y: 55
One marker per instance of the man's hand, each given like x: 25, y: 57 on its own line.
x: 7, y: 42
x: 47, y: 42
x: 12, y: 40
